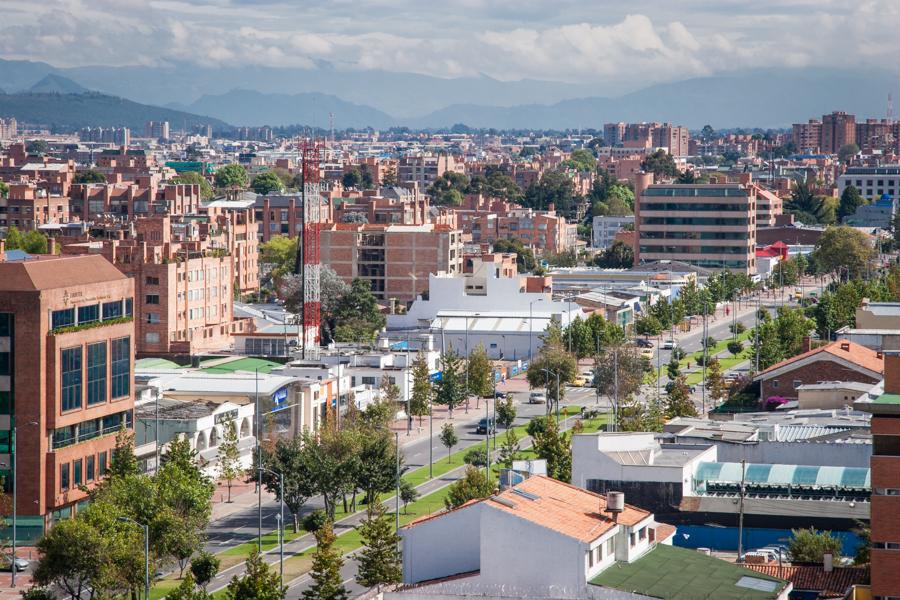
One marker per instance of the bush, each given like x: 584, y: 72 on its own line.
x: 314, y: 521
x: 536, y: 426
x: 204, y: 568
x: 735, y: 347
x: 477, y: 457
x: 710, y: 342
x: 38, y: 593
x: 737, y: 328
x: 679, y: 354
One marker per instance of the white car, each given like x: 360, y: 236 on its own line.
x: 537, y: 398
x: 669, y: 345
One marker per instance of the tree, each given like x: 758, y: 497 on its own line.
x: 554, y: 188
x: 622, y: 360
x: 850, y: 201
x: 186, y: 591
x: 509, y: 448
x: 37, y: 147
x: 678, y: 402
x: 204, y: 567
x: 807, y: 206
x: 377, y: 463
x: 379, y: 559
x: 479, y: 370
x: 448, y: 438
x: 266, y: 183
x: 123, y: 462
x: 449, y: 389
x: 260, y: 581
x: 524, y: 256
x: 352, y: 178
x: 357, y: 316
x: 863, y: 550
x: 232, y: 176
x: 476, y: 456
x: 581, y: 160
x: 618, y: 256
x: 506, y: 412
x: 326, y: 569
x: 332, y: 461
x: 287, y: 458
x: 648, y: 326
x: 473, y: 485
x: 89, y: 176
x: 72, y: 558
x: 810, y: 545
x: 673, y: 368
x: 552, y: 368
x: 843, y: 248
x: 555, y: 447
x: 229, y: 456
x: 420, y: 397
x: 660, y: 163
x: 37, y: 593
x: 194, y: 178
x: 448, y: 189
x: 847, y: 151
x: 715, y: 382
x: 279, y: 256
x: 735, y: 347
x: 4, y: 189
x: 408, y: 493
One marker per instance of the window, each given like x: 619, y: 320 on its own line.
x: 101, y: 463
x: 642, y: 534
x: 96, y: 373
x: 590, y: 555
x: 151, y: 280
x: 774, y: 383
x: 112, y: 310
x: 121, y: 367
x: 151, y: 337
x: 63, y: 318
x: 797, y: 383
x: 610, y: 546
x: 89, y: 468
x: 64, y: 477
x: 5, y: 324
x: 129, y: 307
x: 87, y: 314
x: 71, y: 378
x: 153, y: 318
x: 151, y: 299
x: 77, y: 471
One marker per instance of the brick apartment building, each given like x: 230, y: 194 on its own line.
x: 838, y: 130
x: 705, y: 225
x: 66, y: 378
x: 395, y: 259
x: 141, y: 198
x: 675, y: 138
x: 424, y: 169
x: 807, y: 136
x: 389, y: 205
x: 28, y: 206
x: 281, y: 214
x: 183, y: 280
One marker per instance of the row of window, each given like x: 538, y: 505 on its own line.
x: 90, y: 429
x: 696, y: 249
x: 693, y: 235
x: 607, y: 548
x: 81, y: 471
x: 72, y: 375
x: 699, y: 207
x: 703, y: 192
x: 694, y: 221
x: 91, y: 313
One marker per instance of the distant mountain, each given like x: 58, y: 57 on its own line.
x: 760, y: 98
x: 72, y: 111
x: 56, y: 84
x: 247, y: 107
x: 20, y: 75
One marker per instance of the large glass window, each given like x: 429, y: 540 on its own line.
x: 87, y: 314
x: 64, y: 477
x: 96, y: 373
x: 62, y: 318
x: 129, y: 307
x: 5, y: 324
x: 71, y: 378
x: 77, y: 471
x: 101, y: 463
x: 112, y: 310
x: 121, y: 367
x: 89, y: 468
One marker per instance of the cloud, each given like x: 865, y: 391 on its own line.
x: 606, y: 41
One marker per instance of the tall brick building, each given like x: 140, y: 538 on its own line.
x: 838, y: 130
x: 66, y: 378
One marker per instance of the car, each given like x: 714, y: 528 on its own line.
x: 670, y: 345
x: 537, y: 398
x: 644, y: 343
x: 579, y: 381
x: 486, y: 425
x: 21, y: 564
x: 648, y: 354
x: 499, y: 394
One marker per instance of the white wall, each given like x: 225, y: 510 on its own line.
x: 444, y: 546
x: 518, y: 552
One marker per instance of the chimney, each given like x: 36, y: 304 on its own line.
x: 807, y: 344
x: 845, y: 346
x: 2, y: 250
x: 828, y: 562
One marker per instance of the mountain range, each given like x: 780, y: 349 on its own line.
x: 380, y: 99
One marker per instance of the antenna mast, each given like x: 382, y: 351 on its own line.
x: 307, y: 263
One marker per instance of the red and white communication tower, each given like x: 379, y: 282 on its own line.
x: 307, y: 264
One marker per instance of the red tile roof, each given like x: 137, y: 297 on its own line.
x: 849, y: 351
x: 814, y: 578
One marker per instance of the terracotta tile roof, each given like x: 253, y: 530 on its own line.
x: 814, y: 578
x: 664, y: 531
x: 436, y: 515
x: 849, y: 351
x: 51, y: 272
x: 564, y: 508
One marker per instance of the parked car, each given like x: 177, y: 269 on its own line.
x: 669, y: 345
x: 537, y: 398
x: 644, y: 343
x: 486, y: 425
x: 499, y: 394
x: 21, y: 563
x: 579, y: 381
x: 648, y: 354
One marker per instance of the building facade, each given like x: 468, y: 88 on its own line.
x: 66, y: 378
x: 604, y: 229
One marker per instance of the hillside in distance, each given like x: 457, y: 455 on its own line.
x: 73, y: 111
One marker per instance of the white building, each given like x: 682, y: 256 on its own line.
x: 503, y: 317
x: 541, y: 535
x: 605, y: 228
x: 872, y: 182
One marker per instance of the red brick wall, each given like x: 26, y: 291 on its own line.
x: 885, y: 572
x: 821, y: 370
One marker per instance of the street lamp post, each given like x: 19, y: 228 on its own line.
x: 397, y: 490
x: 14, y: 460
x: 280, y: 518
x: 259, y: 461
x: 531, y: 326
x: 146, y: 529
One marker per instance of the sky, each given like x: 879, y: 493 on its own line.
x: 626, y: 43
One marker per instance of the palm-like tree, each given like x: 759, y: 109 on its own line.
x: 806, y: 205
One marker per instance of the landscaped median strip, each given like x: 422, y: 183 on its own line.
x: 348, y: 539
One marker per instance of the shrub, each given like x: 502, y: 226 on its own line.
x: 314, y: 521
x: 477, y: 457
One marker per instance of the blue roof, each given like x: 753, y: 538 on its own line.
x: 16, y: 255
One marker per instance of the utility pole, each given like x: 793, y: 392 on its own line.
x: 615, y: 410
x: 430, y: 437
x: 487, y: 441
x: 740, y: 557
x: 756, y: 333
x: 705, y: 351
x: 258, y: 464
x: 397, y: 490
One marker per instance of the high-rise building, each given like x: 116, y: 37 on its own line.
x: 838, y: 130
x: 807, y: 136
x: 674, y: 137
x: 706, y: 225
x: 66, y: 379
x: 157, y: 130
x: 613, y: 133
x: 9, y: 128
